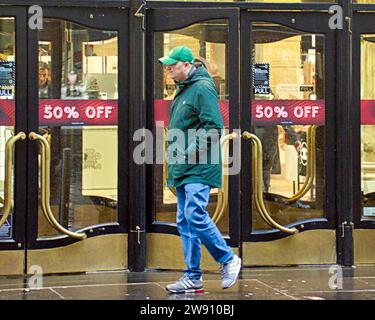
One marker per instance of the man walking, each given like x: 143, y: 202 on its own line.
x: 195, y: 107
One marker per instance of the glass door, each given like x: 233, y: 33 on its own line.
x: 287, y: 81
x: 78, y: 119
x: 212, y: 35
x: 364, y: 139
x: 13, y: 143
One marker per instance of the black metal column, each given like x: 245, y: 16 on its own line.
x: 344, y: 140
x: 137, y: 173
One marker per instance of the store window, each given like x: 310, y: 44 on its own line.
x: 7, y: 107
x: 288, y: 116
x: 209, y: 42
x: 78, y: 81
x: 274, y: 1
x: 368, y: 126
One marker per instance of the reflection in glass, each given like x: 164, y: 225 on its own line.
x: 7, y: 98
x: 208, y: 41
x: 80, y: 64
x: 294, y: 61
x: 367, y: 126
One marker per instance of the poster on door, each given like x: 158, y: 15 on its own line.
x: 261, y: 78
x: 291, y: 112
x: 6, y: 228
x: 56, y: 112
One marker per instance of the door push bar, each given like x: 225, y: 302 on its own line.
x: 257, y: 160
x: 8, y: 202
x: 45, y: 187
x: 311, y: 167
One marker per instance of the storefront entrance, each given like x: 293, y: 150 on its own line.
x: 62, y: 174
x: 74, y: 92
x: 278, y: 208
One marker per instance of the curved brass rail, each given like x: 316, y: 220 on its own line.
x: 222, y: 194
x: 258, y: 184
x: 165, y: 170
x: 45, y: 178
x: 311, y: 166
x: 8, y: 203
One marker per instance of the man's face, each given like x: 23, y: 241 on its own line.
x: 43, y: 77
x: 178, y: 71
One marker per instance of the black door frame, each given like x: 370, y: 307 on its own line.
x: 19, y: 170
x: 314, y: 22
x: 168, y: 19
x: 97, y: 18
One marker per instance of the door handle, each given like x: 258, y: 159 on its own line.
x: 223, y: 193
x: 45, y: 184
x: 258, y: 183
x: 8, y: 202
x: 311, y: 166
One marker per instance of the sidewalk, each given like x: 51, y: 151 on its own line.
x: 283, y: 283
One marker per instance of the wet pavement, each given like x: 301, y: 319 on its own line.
x: 283, y: 283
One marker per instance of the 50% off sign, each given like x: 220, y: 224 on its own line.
x: 299, y: 112
x: 71, y: 112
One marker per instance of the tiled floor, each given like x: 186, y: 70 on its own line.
x: 289, y: 283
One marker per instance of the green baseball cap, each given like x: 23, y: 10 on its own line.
x: 180, y: 53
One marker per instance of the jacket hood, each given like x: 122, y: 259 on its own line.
x: 200, y: 74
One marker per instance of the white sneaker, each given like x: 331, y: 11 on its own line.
x: 186, y: 285
x: 230, y: 271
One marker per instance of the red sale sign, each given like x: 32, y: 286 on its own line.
x: 54, y: 112
x: 162, y: 109
x: 367, y: 111
x: 264, y: 112
x: 301, y: 112
x: 7, y: 112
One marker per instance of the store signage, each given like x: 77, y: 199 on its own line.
x: 7, y: 73
x: 6, y: 92
x: 54, y: 112
x: 261, y: 78
x: 6, y: 112
x: 367, y: 111
x: 264, y: 112
x: 301, y: 112
x: 6, y: 228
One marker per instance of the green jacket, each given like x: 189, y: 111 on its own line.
x: 195, y: 106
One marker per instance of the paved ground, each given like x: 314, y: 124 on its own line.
x: 289, y: 283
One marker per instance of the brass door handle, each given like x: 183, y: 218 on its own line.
x: 311, y: 166
x: 45, y: 183
x: 258, y: 183
x: 223, y: 195
x: 8, y: 202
